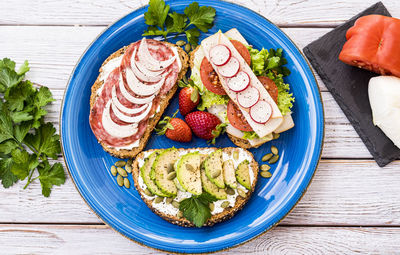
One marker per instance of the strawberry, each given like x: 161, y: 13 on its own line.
x: 205, y: 125
x: 188, y: 99
x: 174, y: 128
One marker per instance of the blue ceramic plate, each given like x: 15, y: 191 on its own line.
x: 122, y: 208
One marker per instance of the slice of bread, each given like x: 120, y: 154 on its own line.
x: 123, y: 153
x: 226, y: 214
x: 243, y: 143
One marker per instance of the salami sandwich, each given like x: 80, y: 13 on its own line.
x: 132, y: 91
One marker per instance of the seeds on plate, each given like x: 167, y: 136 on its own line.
x: 122, y: 172
x: 266, y: 174
x: 120, y: 163
x: 265, y: 167
x: 274, y: 150
x: 120, y: 180
x: 187, y: 47
x: 180, y: 43
x: 113, y: 170
x: 128, y: 168
x: 267, y: 157
x: 127, y: 184
x: 274, y: 159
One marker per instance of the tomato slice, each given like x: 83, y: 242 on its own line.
x: 243, y: 51
x: 210, y: 78
x: 270, y: 86
x: 236, y: 118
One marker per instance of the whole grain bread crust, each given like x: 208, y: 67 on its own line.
x: 243, y: 143
x: 153, y: 120
x: 216, y: 218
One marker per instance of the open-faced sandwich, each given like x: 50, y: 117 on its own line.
x: 195, y: 187
x: 243, y: 86
x: 131, y: 93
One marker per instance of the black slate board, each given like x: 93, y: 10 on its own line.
x: 349, y: 86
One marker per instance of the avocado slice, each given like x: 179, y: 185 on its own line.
x: 229, y: 174
x: 210, y: 187
x: 145, y: 173
x: 162, y: 166
x: 188, y: 173
x: 213, y: 168
x: 243, y: 175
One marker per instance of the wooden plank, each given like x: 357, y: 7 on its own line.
x: 54, y: 51
x: 87, y: 12
x: 343, y: 192
x: 47, y: 239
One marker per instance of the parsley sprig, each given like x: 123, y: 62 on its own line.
x: 197, y: 208
x: 26, y: 141
x: 194, y: 19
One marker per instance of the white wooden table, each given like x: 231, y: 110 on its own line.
x: 352, y: 205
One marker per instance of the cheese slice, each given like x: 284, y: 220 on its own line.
x: 277, y: 118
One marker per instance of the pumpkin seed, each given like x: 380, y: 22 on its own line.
x: 158, y: 200
x: 241, y: 193
x: 180, y: 214
x: 113, y: 170
x: 216, y: 174
x: 187, y: 47
x: 225, y: 204
x: 127, y: 184
x: 170, y: 168
x: 274, y: 159
x: 230, y: 191
x: 175, y: 204
x: 128, y: 168
x: 267, y: 157
x: 266, y: 174
x: 171, y: 175
x: 120, y: 163
x: 194, y: 47
x: 148, y: 192
x: 190, y: 167
x: 168, y: 200
x: 235, y: 155
x: 274, y: 150
x: 129, y: 162
x: 265, y: 167
x: 212, y: 206
x: 120, y: 180
x: 122, y: 172
x: 276, y: 135
x: 180, y: 43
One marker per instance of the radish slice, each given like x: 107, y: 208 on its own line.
x: 248, y: 97
x: 220, y: 54
x: 132, y: 99
x: 261, y: 112
x: 113, y: 128
x: 122, y: 107
x: 149, y: 61
x: 239, y: 82
x: 230, y: 69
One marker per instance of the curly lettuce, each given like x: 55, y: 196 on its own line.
x: 270, y: 63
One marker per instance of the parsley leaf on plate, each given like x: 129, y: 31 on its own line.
x: 26, y: 141
x: 194, y: 19
x: 197, y: 208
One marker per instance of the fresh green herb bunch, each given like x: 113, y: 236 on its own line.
x: 195, y: 19
x: 26, y: 141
